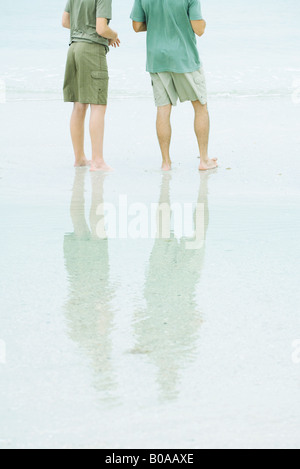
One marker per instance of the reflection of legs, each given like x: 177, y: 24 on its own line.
x: 203, y: 199
x: 97, y: 207
x: 77, y: 208
x: 164, y: 133
x: 77, y: 133
x: 97, y: 122
x: 163, y: 217
x: 202, y: 133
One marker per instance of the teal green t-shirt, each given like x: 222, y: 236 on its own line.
x: 83, y: 19
x: 171, y: 41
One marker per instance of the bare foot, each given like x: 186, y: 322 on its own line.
x: 214, y: 159
x: 82, y: 163
x: 209, y: 164
x: 100, y: 166
x: 167, y: 166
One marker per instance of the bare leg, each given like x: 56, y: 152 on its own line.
x: 202, y: 127
x: 97, y: 123
x: 164, y: 133
x: 77, y: 133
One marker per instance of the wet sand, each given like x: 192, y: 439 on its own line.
x: 141, y: 343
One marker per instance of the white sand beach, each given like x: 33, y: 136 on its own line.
x: 140, y: 343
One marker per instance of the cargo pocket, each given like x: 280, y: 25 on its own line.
x: 199, y: 78
x: 100, y: 79
x: 100, y: 75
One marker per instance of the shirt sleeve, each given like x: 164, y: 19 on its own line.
x: 104, y: 9
x: 138, y: 14
x: 195, y: 12
x: 68, y: 7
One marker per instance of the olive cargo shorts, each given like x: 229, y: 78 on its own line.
x: 86, y: 77
x: 168, y: 87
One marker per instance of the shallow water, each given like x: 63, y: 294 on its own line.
x: 141, y: 343
x: 124, y: 343
x: 249, y: 49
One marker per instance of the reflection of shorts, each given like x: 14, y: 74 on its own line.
x: 168, y: 87
x: 86, y: 77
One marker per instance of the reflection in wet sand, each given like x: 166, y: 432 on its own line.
x: 89, y: 308
x: 167, y: 330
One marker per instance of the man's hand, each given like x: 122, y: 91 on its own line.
x: 114, y: 42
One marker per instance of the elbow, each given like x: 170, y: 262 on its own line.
x: 136, y: 26
x: 66, y: 24
x: 200, y: 31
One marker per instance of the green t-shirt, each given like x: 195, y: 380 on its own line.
x: 171, y: 41
x: 83, y: 19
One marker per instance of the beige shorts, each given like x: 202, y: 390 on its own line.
x: 168, y: 87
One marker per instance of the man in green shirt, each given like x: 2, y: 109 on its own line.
x: 86, y: 76
x: 175, y: 67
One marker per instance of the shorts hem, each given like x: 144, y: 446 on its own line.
x: 193, y: 100
x: 86, y: 101
x: 166, y: 104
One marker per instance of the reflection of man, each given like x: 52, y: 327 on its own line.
x: 167, y: 330
x: 89, y: 310
x: 175, y: 67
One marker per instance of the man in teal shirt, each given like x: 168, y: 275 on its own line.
x: 175, y: 67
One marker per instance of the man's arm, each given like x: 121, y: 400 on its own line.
x: 138, y: 17
x: 66, y: 20
x: 139, y: 27
x: 105, y: 31
x: 199, y: 27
